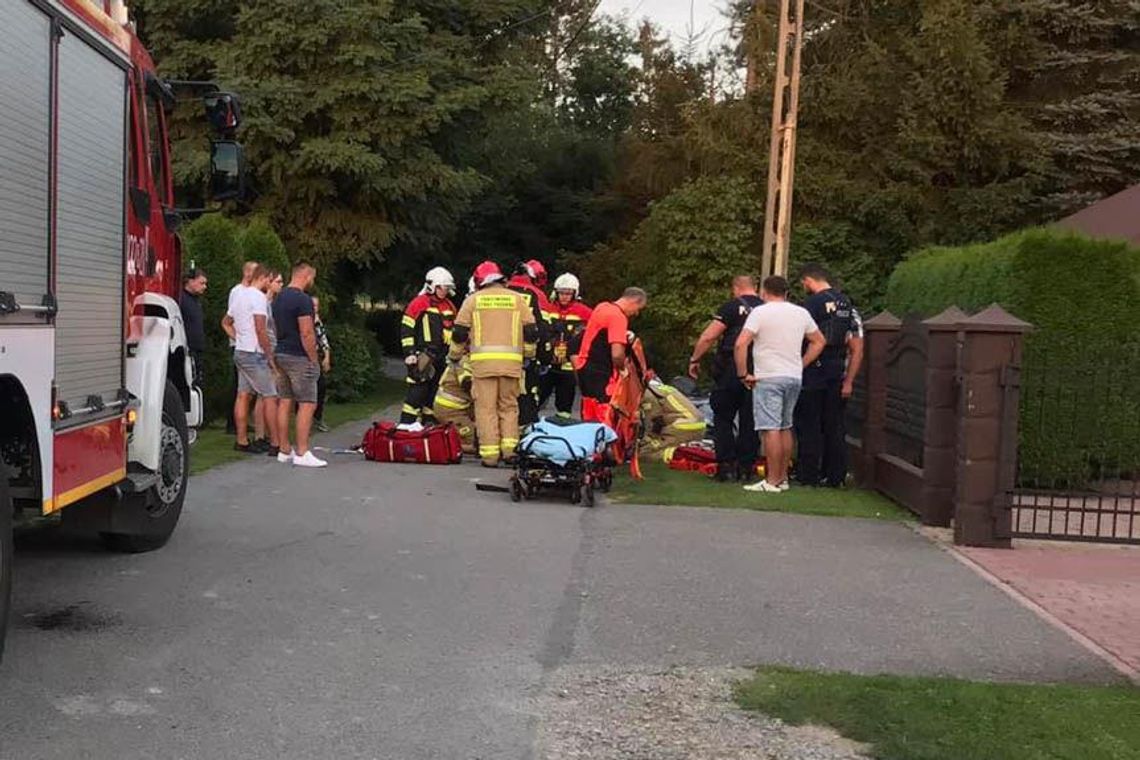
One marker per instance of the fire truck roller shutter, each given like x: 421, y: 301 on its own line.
x: 90, y: 224
x: 25, y: 142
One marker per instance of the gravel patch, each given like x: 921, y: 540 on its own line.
x: 680, y: 714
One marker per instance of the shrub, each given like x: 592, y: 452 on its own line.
x: 258, y: 242
x: 211, y: 243
x: 384, y: 324
x: 1080, y: 399
x: 355, y: 364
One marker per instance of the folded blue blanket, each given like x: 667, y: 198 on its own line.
x: 562, y: 443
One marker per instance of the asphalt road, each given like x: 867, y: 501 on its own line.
x: 370, y: 611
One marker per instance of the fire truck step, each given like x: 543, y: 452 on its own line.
x: 138, y: 482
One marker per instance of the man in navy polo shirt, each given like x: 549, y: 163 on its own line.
x: 820, y: 434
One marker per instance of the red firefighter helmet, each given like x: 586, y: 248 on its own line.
x: 536, y: 271
x: 486, y: 273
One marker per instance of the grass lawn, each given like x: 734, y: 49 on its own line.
x: 944, y: 719
x: 672, y: 488
x: 215, y: 447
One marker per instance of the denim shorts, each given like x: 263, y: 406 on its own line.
x: 297, y: 378
x: 254, y: 375
x: 774, y: 402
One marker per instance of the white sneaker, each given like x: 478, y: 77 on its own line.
x: 763, y: 487
x: 411, y: 427
x: 308, y: 460
x: 784, y: 485
x: 286, y: 458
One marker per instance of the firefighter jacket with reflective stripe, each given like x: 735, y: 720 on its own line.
x: 426, y: 326
x: 454, y: 391
x: 567, y: 323
x: 496, y: 327
x: 540, y: 306
x: 670, y: 417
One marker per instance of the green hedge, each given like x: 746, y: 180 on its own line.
x: 211, y: 242
x: 218, y: 245
x: 1080, y: 417
x: 355, y: 362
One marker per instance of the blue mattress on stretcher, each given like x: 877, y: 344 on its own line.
x: 562, y: 443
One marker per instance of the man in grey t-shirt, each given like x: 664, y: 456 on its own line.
x: 776, y: 332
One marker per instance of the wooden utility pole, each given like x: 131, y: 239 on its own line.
x: 782, y: 158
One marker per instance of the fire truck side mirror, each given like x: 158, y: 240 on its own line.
x: 227, y: 170
x: 223, y: 112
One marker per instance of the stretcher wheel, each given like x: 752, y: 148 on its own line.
x: 605, y: 481
x: 516, y: 490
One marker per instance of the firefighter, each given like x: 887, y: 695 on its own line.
x: 453, y: 402
x: 602, y: 356
x: 567, y: 318
x: 425, y: 333
x: 497, y: 329
x: 671, y: 419
x: 530, y: 281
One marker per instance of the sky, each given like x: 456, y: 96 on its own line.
x: 673, y: 16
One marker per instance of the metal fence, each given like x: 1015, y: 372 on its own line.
x: 1078, y: 470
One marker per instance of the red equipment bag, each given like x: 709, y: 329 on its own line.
x: 438, y: 444
x: 701, y: 457
x: 693, y: 457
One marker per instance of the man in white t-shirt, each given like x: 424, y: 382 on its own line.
x: 247, y: 270
x: 776, y: 332
x: 246, y: 324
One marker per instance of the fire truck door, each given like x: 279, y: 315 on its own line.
x: 90, y: 227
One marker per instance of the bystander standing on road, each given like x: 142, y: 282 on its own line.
x: 776, y: 333
x: 246, y: 323
x: 298, y: 366
x: 734, y: 431
x: 819, y: 414
x: 247, y: 270
x: 194, y: 319
x: 266, y: 425
x: 324, y: 354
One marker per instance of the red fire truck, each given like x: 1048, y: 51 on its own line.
x: 97, y: 389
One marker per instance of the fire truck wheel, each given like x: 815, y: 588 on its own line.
x: 157, y: 510
x: 5, y: 560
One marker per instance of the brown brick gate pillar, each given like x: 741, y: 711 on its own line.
x: 989, y: 365
x: 939, y: 457
x: 880, y: 331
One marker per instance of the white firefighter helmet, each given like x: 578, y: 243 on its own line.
x: 567, y: 281
x: 439, y: 278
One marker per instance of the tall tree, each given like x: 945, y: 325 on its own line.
x: 1074, y: 73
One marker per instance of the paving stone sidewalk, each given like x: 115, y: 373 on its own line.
x: 1095, y: 590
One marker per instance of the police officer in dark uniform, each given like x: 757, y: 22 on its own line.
x: 820, y: 434
x: 737, y: 445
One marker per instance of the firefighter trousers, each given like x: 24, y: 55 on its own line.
x: 496, y: 416
x: 528, y: 395
x: 463, y: 422
x: 418, y: 402
x: 563, y: 386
